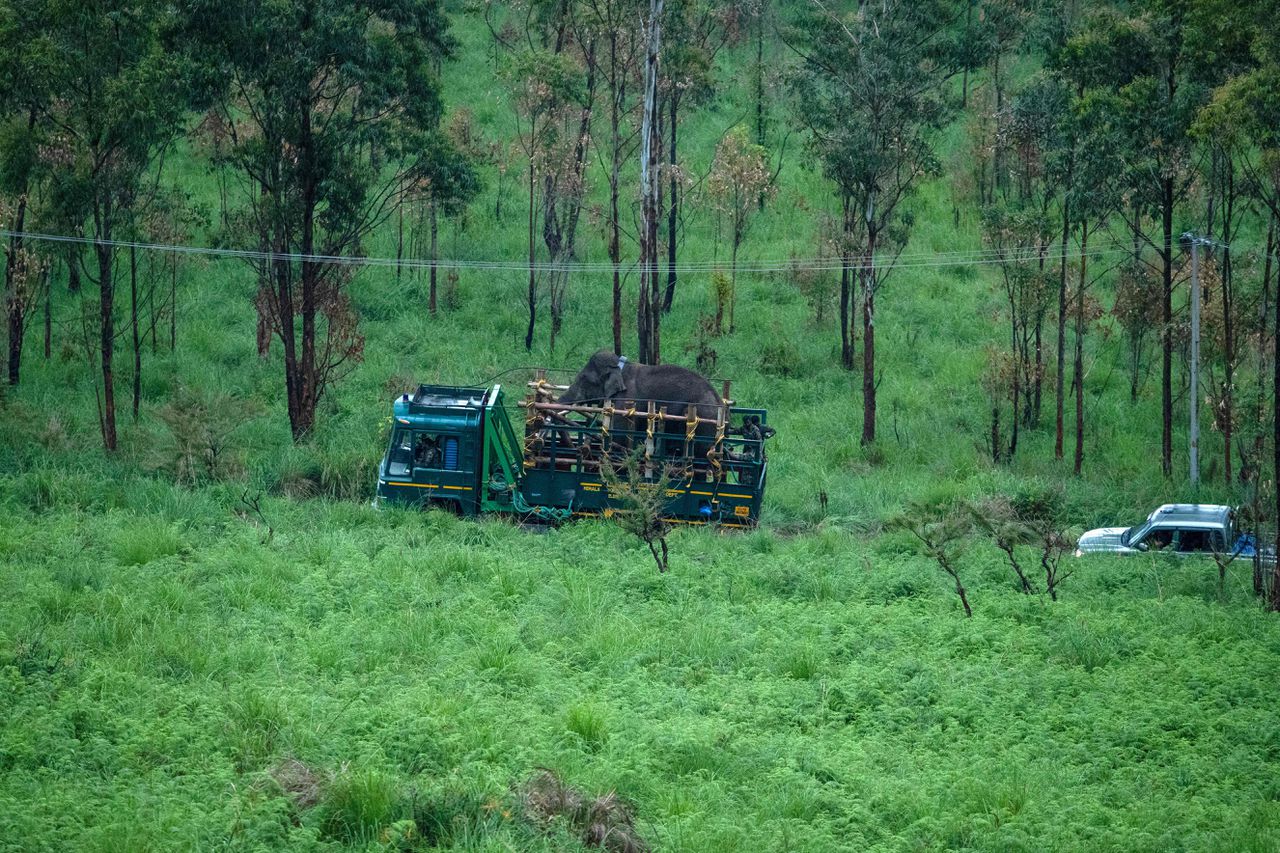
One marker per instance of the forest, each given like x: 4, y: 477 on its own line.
x: 1001, y: 271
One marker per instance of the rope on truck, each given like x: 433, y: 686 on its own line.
x: 546, y: 513
x: 713, y: 455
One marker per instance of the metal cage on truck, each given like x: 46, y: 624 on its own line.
x: 455, y: 447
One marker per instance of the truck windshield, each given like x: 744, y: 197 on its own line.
x: 400, y: 455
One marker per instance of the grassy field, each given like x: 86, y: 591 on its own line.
x: 171, y: 678
x: 771, y: 693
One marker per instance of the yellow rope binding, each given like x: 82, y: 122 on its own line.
x: 607, y: 411
x: 714, y: 454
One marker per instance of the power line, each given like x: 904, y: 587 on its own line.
x: 916, y: 260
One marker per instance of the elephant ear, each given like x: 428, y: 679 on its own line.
x: 613, y: 384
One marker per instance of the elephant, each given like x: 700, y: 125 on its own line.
x: 626, y: 383
x: 611, y: 377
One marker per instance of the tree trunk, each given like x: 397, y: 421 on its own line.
x: 48, y: 316
x: 960, y: 590
x: 995, y: 434
x: 1275, y: 435
x: 15, y: 299
x: 1077, y: 370
x: 533, y: 280
x: 846, y: 351
x: 308, y: 381
x: 1039, y: 369
x: 733, y: 282
x: 848, y: 311
x: 869, y: 340
x: 649, y: 316
x: 133, y: 322
x: 399, y: 237
x: 964, y: 81
x: 673, y: 210
x: 760, y: 123
x: 1227, y: 285
x: 1062, y: 324
x: 998, y: 180
x: 435, y: 228
x: 151, y: 308
x: 106, y: 305
x: 73, y: 269
x: 1166, y: 344
x: 617, y: 84
x: 283, y: 301
x: 173, y: 304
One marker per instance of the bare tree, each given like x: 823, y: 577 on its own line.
x: 738, y: 184
x: 940, y: 532
x: 611, y: 24
x: 649, y: 308
x: 547, y: 83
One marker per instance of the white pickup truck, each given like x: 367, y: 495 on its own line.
x: 1182, y: 529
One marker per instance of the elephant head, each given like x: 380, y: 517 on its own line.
x: 601, y: 379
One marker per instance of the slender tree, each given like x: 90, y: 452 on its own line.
x: 548, y: 85
x: 27, y: 73
x: 739, y: 179
x: 612, y: 25
x: 122, y: 99
x: 649, y: 313
x: 309, y: 89
x: 695, y: 33
x: 869, y: 93
x: 1140, y: 59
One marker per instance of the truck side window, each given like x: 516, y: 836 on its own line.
x: 1193, y: 541
x: 434, y: 450
x: 426, y: 451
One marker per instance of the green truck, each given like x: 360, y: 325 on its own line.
x: 454, y: 447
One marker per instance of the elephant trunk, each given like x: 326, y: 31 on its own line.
x: 573, y: 395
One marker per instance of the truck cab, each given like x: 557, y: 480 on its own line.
x: 447, y: 445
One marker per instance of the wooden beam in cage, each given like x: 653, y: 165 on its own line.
x: 620, y: 410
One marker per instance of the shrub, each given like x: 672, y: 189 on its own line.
x: 147, y: 540
x: 605, y: 821
x: 202, y: 427
x: 780, y: 356
x: 588, y: 723
x: 358, y: 803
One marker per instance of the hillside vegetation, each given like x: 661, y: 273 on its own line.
x: 212, y: 640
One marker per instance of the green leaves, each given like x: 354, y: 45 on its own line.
x: 869, y: 92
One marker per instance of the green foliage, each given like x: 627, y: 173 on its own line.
x: 358, y: 803
x: 139, y: 544
x: 780, y: 357
x: 587, y: 722
x: 326, y: 689
x: 171, y: 677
